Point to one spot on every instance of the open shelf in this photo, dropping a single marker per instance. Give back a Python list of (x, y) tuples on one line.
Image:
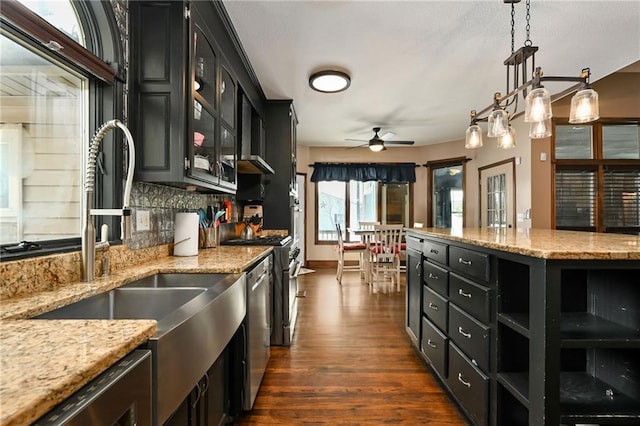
[(585, 399), (518, 322), (517, 384), (582, 329)]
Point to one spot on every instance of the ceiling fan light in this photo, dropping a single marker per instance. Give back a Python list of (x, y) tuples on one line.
[(376, 146), (584, 107), (538, 105), (473, 137), (540, 129), (508, 140), (329, 81), (498, 122)]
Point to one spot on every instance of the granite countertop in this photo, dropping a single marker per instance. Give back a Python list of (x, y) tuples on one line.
[(545, 243), (223, 259), (43, 362)]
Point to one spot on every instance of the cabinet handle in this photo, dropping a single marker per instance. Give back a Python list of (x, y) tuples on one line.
[(464, 262), (462, 293), (194, 403), (467, 384), (433, 277), (430, 343), (464, 333), (432, 306), (434, 251)]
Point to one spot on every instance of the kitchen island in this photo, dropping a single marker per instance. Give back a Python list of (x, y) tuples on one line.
[(43, 362), (529, 327)]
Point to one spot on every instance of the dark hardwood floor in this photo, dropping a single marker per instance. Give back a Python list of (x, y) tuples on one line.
[(351, 362)]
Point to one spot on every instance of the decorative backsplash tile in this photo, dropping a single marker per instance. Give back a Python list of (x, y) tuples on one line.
[(163, 202)]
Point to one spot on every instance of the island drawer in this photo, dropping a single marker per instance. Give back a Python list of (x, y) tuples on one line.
[(435, 307), (470, 335), (435, 346), (470, 263), (473, 298), (435, 277), (414, 243), (435, 251), (469, 385)]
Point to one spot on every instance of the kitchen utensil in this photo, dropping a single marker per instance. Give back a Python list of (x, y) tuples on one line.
[(210, 215), (202, 218)]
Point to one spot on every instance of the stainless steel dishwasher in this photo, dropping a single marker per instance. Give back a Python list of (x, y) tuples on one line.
[(258, 328)]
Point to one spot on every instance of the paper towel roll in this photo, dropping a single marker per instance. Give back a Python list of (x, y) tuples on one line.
[(185, 239)]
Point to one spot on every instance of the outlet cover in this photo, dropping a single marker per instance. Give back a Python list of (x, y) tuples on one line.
[(143, 221)]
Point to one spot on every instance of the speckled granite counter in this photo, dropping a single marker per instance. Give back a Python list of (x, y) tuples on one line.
[(544, 243), (45, 361)]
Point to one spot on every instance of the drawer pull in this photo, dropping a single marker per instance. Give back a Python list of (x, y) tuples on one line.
[(464, 262), (433, 277), (462, 293), (434, 251), (432, 306), (430, 343), (467, 384), (464, 333)]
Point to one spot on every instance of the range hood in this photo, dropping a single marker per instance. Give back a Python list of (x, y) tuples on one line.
[(254, 165), (252, 142)]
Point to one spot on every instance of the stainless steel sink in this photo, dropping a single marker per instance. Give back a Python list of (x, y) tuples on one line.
[(178, 280), (139, 303), (197, 316)]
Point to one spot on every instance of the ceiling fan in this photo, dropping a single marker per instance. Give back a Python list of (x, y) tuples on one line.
[(376, 143)]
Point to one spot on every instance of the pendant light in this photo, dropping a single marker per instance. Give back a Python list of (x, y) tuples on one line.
[(584, 106), (537, 111), (473, 137), (508, 140), (538, 105), (540, 129), (498, 123)]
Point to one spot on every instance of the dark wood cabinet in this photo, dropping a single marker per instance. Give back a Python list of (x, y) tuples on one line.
[(281, 139), (414, 283), (532, 340), (183, 98)]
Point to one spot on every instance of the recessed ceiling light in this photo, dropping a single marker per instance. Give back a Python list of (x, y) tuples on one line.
[(329, 81)]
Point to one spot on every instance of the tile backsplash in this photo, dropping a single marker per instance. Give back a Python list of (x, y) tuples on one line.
[(163, 202)]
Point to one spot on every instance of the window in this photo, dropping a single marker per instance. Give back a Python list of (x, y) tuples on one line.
[(52, 97), (597, 177), (345, 204)]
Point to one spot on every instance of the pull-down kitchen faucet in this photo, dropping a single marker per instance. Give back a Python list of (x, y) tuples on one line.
[(88, 229)]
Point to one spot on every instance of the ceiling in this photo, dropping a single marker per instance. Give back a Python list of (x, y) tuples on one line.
[(419, 67)]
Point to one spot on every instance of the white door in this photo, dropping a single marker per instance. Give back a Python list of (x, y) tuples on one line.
[(299, 216), (497, 195)]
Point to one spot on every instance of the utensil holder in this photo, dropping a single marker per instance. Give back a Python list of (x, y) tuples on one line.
[(209, 237)]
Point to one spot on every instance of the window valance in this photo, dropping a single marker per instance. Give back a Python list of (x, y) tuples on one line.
[(364, 172)]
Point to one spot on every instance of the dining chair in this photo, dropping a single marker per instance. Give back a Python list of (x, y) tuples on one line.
[(365, 231), (343, 248), (384, 257)]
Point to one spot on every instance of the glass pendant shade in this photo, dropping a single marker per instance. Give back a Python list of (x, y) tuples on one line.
[(498, 122), (537, 106), (473, 137), (540, 129), (508, 140), (584, 107)]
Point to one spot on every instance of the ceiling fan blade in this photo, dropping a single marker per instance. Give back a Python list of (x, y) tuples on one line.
[(357, 146), (387, 136), (399, 142), (357, 140)]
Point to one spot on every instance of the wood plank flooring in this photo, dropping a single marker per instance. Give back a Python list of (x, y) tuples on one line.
[(351, 362)]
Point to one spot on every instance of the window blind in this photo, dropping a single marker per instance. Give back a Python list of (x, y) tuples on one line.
[(575, 198), (622, 198)]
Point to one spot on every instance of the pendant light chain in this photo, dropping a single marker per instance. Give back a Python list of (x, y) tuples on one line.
[(528, 27), (513, 23)]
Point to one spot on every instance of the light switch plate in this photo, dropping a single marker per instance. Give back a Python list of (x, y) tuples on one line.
[(143, 221)]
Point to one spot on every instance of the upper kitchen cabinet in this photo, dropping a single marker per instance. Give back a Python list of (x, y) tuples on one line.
[(281, 140), (183, 99)]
